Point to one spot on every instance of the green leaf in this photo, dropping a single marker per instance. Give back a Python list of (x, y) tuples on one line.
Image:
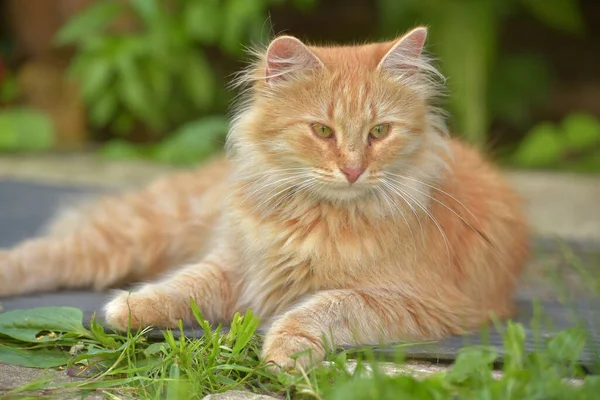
[(159, 80), (225, 380), (88, 22), (79, 64), (587, 163), (591, 387), (25, 325), (239, 16), (467, 46), (25, 129), (204, 324), (38, 358), (233, 367), (514, 345), (9, 139), (95, 352), (541, 147), (202, 20), (100, 334), (243, 329), (103, 108), (580, 131), (123, 123), (520, 83), (567, 345), (120, 150), (153, 349), (9, 88), (177, 388), (148, 10), (473, 363), (198, 81), (564, 15), (193, 142), (95, 78), (135, 94)]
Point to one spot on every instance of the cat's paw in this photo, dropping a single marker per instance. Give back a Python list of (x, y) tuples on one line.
[(140, 309), (292, 350)]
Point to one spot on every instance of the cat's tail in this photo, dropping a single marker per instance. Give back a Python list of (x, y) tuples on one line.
[(119, 239)]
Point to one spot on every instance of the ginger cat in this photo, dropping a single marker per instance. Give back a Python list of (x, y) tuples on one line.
[(343, 211)]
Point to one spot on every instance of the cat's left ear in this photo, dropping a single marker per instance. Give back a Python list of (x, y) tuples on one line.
[(287, 55), (404, 54)]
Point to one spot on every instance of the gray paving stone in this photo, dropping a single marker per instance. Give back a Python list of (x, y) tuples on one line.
[(12, 377), (25, 206)]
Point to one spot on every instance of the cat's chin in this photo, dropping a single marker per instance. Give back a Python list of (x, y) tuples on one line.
[(344, 193)]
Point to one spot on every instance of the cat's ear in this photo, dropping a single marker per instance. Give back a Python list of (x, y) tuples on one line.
[(287, 55), (405, 53)]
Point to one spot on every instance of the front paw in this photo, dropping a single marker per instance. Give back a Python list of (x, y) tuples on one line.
[(140, 309), (287, 350)]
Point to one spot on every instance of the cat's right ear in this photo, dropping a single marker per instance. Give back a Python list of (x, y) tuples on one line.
[(287, 55)]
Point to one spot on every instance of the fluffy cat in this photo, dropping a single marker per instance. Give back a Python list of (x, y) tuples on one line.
[(343, 211)]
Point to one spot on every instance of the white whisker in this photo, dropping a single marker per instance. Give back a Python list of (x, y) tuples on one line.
[(481, 235), (286, 188), (395, 206), (410, 205), (439, 190), (276, 185), (262, 176), (399, 191), (400, 211)]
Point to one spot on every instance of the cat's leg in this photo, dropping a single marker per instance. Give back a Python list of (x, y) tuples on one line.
[(212, 284), (121, 238), (359, 317)]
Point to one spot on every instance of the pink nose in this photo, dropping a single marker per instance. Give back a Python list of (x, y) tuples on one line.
[(352, 173)]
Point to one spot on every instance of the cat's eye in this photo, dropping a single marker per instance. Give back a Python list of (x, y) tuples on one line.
[(322, 131), (379, 131)]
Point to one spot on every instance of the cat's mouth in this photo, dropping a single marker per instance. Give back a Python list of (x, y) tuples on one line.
[(343, 190)]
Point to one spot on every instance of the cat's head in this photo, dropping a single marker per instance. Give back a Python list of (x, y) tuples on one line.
[(338, 122)]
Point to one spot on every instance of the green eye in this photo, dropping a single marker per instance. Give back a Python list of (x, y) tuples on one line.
[(322, 131), (379, 131)]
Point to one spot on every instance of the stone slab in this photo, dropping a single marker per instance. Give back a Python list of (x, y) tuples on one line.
[(12, 377), (560, 204), (25, 206)]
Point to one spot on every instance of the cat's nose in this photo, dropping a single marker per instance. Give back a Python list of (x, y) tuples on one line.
[(352, 173)]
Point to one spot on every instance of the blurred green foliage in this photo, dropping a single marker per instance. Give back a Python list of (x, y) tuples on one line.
[(9, 88), (21, 128), (574, 145), (484, 84), (25, 129), (161, 77), (191, 142)]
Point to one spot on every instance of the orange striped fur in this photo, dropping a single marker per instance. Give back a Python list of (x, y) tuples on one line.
[(426, 243)]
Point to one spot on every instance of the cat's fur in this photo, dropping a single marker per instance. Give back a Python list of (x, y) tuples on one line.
[(427, 243)]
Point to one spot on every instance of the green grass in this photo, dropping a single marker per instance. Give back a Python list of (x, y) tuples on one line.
[(131, 365)]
